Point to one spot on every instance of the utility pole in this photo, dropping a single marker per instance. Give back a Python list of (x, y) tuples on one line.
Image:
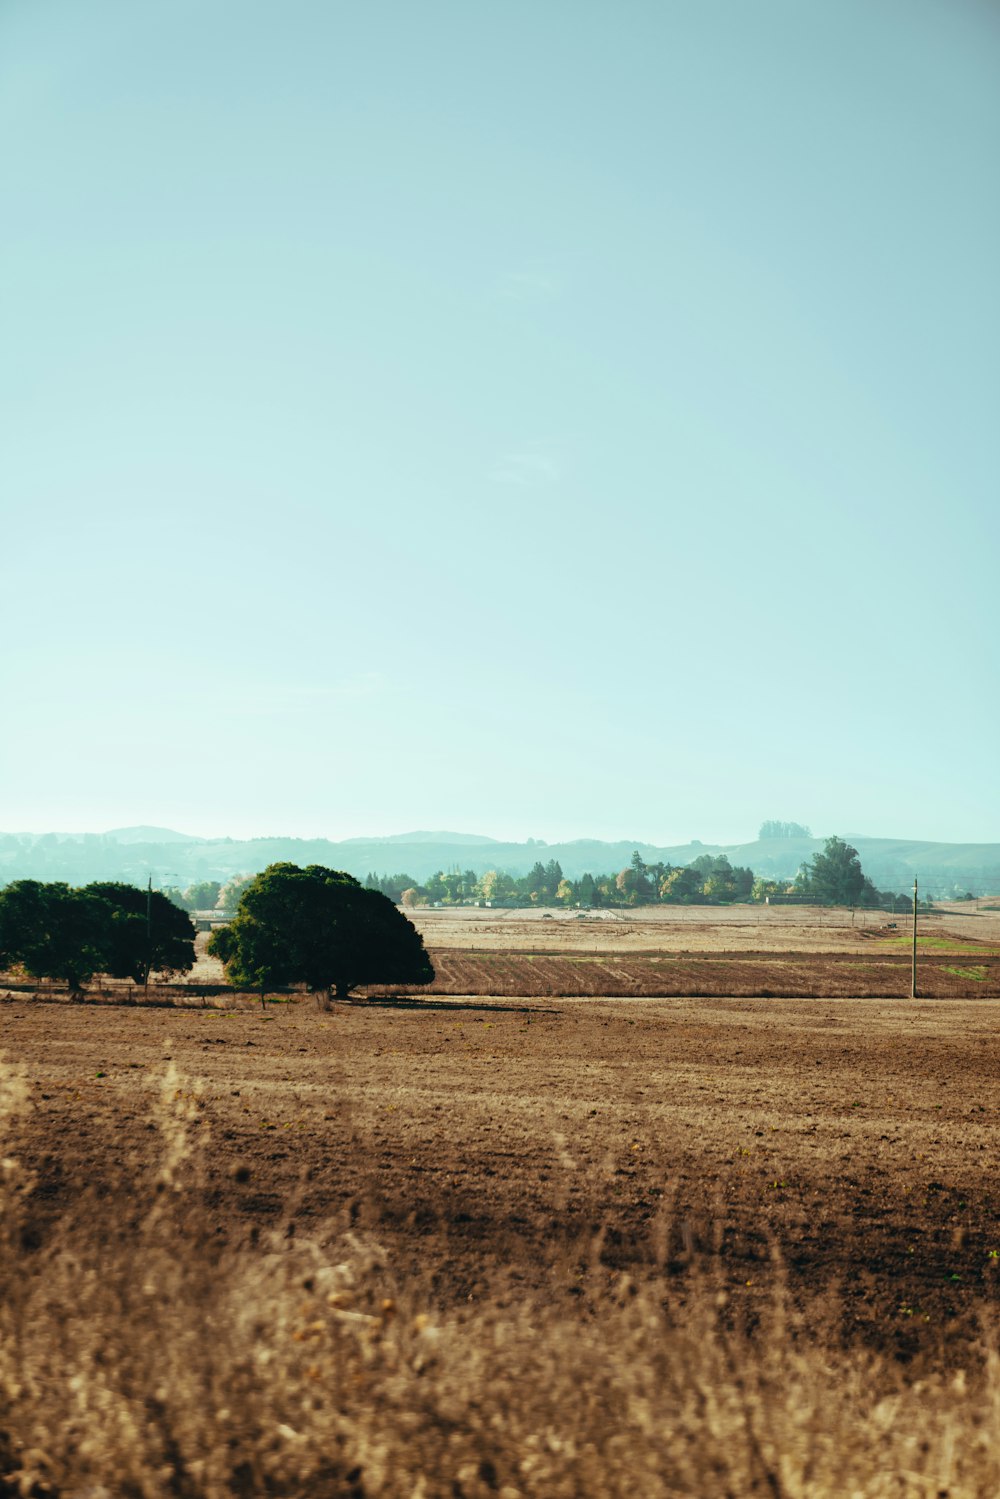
[(913, 966), (149, 935)]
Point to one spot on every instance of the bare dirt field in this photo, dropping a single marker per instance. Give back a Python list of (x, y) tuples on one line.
[(857, 1138), (523, 1245), (699, 928), (957, 972), (683, 951), (779, 951)]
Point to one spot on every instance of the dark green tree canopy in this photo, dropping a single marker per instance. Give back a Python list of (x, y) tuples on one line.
[(54, 932), (136, 946), (836, 876), (319, 927)]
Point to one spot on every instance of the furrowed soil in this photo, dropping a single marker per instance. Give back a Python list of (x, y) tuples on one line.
[(765, 974), (538, 1144), (538, 1242)]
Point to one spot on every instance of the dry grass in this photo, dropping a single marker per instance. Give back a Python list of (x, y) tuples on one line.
[(164, 1331), (138, 1360), (708, 929)]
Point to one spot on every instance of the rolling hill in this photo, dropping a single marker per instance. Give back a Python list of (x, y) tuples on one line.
[(171, 858)]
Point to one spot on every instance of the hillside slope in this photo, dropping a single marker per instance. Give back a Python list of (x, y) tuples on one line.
[(891, 863)]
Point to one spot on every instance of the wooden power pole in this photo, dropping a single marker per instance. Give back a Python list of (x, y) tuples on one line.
[(149, 935), (913, 965)]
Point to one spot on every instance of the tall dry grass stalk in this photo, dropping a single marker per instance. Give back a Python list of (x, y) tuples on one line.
[(137, 1359)]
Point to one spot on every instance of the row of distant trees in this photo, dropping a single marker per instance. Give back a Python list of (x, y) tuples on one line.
[(832, 877), (323, 928), (772, 828), (207, 895), (543, 884)]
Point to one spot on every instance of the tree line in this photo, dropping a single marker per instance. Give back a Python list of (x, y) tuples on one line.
[(51, 930), (313, 926), (323, 928), (832, 877)]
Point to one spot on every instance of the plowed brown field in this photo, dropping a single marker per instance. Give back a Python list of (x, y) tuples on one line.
[(492, 1139), (767, 974)]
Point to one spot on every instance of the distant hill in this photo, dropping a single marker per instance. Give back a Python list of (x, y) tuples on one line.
[(461, 840), (150, 835), (171, 858)]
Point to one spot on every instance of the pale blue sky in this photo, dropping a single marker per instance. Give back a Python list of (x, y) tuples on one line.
[(541, 419)]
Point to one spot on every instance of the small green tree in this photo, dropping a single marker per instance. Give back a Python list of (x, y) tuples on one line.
[(319, 927), (633, 886), (635, 883), (203, 896), (229, 896), (682, 885), (719, 887), (495, 886)]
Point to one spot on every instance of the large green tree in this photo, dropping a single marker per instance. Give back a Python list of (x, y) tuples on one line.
[(321, 928), (54, 932), (147, 933), (835, 876)]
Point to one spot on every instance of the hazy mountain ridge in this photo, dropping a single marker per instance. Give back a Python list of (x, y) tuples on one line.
[(176, 860), (151, 835), (462, 839)]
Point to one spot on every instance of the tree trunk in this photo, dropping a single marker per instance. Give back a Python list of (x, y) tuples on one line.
[(323, 1001), (343, 989)]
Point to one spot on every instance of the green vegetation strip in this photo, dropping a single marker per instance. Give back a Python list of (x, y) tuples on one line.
[(944, 944)]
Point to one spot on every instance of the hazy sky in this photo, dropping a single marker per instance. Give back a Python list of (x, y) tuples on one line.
[(539, 418)]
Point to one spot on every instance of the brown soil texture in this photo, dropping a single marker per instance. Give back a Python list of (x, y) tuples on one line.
[(854, 1139), (668, 928), (765, 974)]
